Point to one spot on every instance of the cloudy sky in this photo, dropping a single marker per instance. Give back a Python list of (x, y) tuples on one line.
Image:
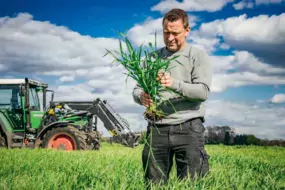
[(62, 43)]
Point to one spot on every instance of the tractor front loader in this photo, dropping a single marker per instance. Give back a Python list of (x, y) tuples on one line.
[(25, 122), (117, 126)]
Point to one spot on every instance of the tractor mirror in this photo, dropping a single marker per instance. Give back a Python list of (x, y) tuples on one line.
[(22, 90)]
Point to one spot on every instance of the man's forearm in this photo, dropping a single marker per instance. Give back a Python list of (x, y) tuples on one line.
[(201, 78), (195, 92)]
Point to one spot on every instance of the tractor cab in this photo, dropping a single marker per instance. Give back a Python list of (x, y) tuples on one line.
[(22, 102)]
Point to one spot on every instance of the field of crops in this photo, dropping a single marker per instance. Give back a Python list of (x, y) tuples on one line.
[(117, 167)]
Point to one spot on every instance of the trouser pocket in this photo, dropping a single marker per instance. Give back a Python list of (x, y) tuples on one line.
[(204, 162), (197, 130), (197, 126)]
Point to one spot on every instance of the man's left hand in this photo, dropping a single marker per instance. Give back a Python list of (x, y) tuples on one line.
[(165, 79)]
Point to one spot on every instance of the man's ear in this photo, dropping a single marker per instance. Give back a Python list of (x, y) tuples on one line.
[(188, 28), (187, 31)]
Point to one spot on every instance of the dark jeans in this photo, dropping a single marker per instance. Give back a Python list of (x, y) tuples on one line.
[(184, 141)]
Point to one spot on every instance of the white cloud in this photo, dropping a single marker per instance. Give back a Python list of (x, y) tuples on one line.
[(263, 35), (81, 92), (208, 44), (259, 2), (30, 46), (136, 124), (245, 69), (145, 33), (191, 5), (270, 29), (112, 89), (245, 61), (262, 121), (250, 4), (224, 46), (278, 98), (222, 64), (223, 81), (66, 79), (243, 4)]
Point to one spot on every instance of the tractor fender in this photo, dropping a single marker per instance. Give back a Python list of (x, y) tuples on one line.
[(51, 125)]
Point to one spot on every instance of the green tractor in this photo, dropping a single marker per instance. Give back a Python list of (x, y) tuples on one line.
[(27, 119)]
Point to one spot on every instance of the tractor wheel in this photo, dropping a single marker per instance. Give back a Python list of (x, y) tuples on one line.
[(2, 141), (65, 138)]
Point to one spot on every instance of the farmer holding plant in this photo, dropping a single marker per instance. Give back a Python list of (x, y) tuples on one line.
[(179, 131)]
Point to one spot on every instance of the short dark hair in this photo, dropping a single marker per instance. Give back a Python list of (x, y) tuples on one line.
[(176, 14)]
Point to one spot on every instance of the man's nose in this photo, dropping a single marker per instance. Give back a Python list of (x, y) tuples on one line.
[(170, 37)]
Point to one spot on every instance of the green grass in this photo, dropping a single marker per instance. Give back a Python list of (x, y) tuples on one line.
[(118, 167)]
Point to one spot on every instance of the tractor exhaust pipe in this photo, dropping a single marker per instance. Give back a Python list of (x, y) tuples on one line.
[(44, 98)]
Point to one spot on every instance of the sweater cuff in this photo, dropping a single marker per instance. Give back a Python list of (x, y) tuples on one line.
[(175, 85), (136, 96)]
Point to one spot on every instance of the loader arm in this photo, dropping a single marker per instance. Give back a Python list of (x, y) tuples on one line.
[(117, 126)]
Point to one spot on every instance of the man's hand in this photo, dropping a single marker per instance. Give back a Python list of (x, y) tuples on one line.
[(165, 79), (145, 99)]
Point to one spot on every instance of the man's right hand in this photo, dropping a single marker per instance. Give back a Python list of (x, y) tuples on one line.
[(145, 99)]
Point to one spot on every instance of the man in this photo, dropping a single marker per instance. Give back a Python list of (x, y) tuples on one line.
[(180, 132)]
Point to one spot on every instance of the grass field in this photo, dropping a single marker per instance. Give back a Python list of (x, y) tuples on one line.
[(117, 167)]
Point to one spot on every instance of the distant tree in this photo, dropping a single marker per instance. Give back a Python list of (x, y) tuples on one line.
[(227, 138), (221, 131), (219, 135), (227, 135), (276, 143), (252, 140), (265, 142), (210, 135), (283, 143), (244, 141), (240, 140), (237, 140), (232, 136)]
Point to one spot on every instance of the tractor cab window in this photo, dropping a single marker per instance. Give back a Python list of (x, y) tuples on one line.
[(34, 100), (9, 97)]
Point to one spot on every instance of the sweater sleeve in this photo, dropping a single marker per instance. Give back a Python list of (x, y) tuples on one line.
[(136, 94), (201, 77)]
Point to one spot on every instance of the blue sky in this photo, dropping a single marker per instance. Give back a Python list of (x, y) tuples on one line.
[(62, 43)]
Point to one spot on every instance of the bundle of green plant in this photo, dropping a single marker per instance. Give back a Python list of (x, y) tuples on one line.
[(145, 70)]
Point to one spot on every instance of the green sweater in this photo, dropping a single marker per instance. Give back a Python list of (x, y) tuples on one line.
[(192, 79)]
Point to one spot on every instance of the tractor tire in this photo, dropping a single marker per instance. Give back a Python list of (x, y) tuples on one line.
[(65, 138), (2, 141)]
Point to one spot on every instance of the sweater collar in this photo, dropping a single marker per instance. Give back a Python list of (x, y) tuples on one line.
[(184, 51)]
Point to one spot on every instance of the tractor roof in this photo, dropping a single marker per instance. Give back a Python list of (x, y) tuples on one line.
[(22, 81)]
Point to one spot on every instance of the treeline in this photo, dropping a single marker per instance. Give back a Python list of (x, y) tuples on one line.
[(227, 136)]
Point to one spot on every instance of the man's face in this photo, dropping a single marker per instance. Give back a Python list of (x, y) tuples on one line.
[(175, 34)]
